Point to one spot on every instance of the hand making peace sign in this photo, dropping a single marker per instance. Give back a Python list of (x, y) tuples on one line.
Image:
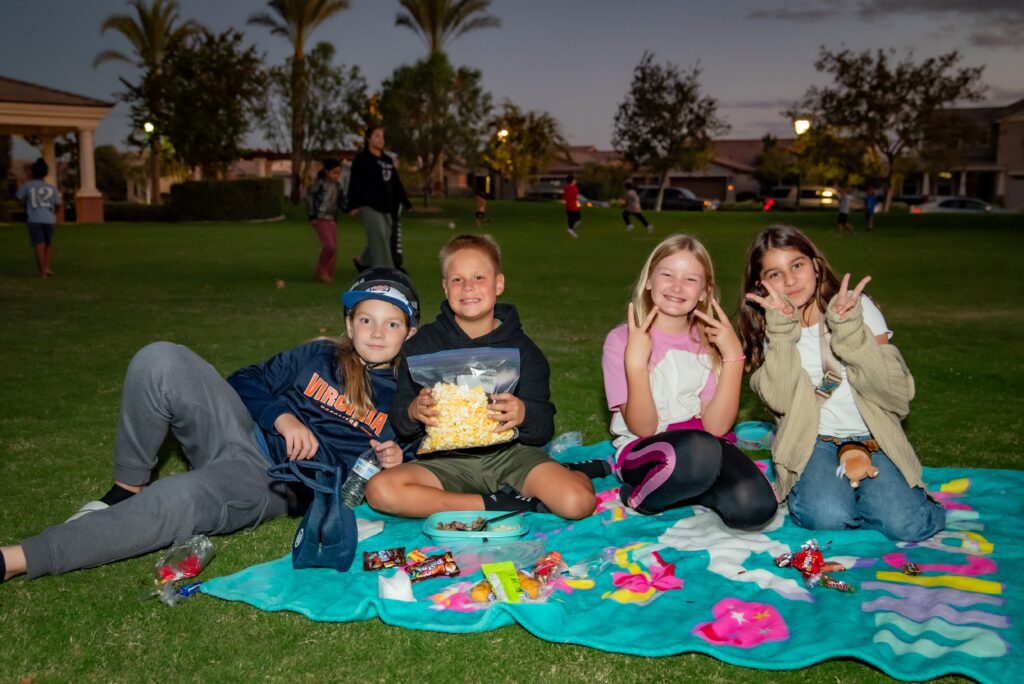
[(773, 300), (720, 331), (846, 300), (638, 342)]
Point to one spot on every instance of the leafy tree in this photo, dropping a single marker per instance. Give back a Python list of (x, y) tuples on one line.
[(111, 174), (665, 123), (887, 105), (214, 85), (431, 112), (603, 181), (773, 164), (296, 20), (335, 111), (152, 33), (530, 140), (438, 22)]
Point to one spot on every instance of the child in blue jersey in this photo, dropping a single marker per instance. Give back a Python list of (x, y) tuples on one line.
[(327, 400), (41, 200)]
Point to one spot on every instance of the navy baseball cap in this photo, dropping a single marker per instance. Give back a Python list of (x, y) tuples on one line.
[(388, 285)]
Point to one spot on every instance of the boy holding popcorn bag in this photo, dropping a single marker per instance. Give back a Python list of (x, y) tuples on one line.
[(511, 471)]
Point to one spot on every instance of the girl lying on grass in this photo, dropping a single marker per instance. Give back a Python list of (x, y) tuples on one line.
[(326, 399)]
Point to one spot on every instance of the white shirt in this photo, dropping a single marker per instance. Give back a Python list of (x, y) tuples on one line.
[(839, 414)]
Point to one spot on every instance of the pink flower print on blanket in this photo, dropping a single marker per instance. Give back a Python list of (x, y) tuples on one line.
[(742, 624), (639, 586), (609, 500)]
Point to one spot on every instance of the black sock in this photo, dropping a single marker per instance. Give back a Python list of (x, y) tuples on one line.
[(594, 469), (116, 495), (508, 499)]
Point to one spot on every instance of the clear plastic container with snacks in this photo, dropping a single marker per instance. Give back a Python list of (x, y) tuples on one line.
[(461, 382)]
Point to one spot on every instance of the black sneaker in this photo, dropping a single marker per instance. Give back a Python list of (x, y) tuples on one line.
[(595, 468), (508, 499)]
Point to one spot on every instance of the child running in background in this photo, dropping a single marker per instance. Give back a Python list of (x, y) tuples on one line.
[(41, 200), (571, 198), (327, 400), (631, 208), (323, 199), (672, 376), (481, 208), (823, 363), (518, 475)]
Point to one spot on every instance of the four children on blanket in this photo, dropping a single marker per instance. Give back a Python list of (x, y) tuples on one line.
[(672, 375)]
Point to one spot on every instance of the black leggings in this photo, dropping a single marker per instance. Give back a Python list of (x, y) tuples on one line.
[(627, 214), (686, 467)]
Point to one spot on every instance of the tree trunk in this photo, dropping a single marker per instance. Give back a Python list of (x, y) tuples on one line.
[(298, 116), (661, 191), (890, 191), (154, 169)]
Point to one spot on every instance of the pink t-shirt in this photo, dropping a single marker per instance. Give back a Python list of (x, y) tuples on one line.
[(681, 379)]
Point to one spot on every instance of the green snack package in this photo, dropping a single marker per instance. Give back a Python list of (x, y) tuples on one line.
[(504, 581)]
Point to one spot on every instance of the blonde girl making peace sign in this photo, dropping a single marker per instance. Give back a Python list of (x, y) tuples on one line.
[(672, 376)]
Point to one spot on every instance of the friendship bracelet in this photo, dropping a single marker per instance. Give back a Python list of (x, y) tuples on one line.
[(741, 357)]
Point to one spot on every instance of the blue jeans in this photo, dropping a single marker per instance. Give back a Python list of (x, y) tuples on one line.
[(886, 503)]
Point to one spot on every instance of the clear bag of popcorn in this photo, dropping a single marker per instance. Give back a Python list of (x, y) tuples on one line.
[(461, 381)]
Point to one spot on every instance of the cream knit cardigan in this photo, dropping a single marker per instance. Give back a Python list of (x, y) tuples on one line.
[(881, 383)]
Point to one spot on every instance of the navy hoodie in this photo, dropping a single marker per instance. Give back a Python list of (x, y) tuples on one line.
[(534, 373), (304, 382)]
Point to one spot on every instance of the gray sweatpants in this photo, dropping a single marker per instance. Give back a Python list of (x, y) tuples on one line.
[(378, 238), (227, 488)]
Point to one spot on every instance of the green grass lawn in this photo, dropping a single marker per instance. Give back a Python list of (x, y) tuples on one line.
[(949, 287)]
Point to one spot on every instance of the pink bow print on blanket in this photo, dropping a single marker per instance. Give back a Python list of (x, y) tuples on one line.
[(662, 577)]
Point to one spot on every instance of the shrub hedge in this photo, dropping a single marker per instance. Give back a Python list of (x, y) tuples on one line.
[(136, 212), (228, 200)]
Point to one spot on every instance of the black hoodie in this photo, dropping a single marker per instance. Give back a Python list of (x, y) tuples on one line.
[(534, 372), (374, 182)]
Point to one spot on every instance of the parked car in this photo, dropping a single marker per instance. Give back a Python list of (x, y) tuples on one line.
[(955, 205), (811, 197), (674, 199)]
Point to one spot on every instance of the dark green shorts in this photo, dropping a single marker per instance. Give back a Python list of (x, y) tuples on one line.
[(482, 471)]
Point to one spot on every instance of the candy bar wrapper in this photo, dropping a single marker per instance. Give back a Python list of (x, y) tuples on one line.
[(415, 556), (442, 565), (385, 558)]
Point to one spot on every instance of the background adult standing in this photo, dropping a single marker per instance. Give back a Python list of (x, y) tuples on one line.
[(375, 192)]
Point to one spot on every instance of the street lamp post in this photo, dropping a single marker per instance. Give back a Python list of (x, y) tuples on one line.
[(800, 126)]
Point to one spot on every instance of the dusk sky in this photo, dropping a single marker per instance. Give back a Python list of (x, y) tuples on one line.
[(573, 59)]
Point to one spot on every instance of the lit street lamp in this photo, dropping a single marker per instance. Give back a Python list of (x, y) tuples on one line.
[(503, 134), (800, 126), (148, 127)]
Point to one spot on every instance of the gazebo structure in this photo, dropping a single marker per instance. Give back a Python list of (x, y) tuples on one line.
[(32, 111)]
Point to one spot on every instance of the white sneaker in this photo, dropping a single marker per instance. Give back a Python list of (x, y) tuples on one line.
[(650, 229), (629, 227), (90, 507), (572, 232)]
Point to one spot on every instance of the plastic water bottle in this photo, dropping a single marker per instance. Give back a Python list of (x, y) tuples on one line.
[(366, 466)]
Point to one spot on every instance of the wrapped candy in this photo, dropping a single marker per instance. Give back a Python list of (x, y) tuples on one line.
[(811, 564)]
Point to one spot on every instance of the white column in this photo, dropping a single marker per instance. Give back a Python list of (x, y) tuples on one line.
[(1000, 184), (926, 185), (49, 151), (963, 184), (86, 165)]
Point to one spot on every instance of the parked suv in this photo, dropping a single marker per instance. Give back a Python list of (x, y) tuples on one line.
[(674, 199), (811, 197)]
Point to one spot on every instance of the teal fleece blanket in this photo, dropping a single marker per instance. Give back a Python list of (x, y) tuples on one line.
[(682, 582)]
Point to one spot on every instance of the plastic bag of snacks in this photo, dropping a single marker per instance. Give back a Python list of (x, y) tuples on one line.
[(461, 381), (506, 584), (181, 561)]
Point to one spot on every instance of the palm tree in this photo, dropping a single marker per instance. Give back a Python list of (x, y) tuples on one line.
[(437, 22), (296, 20), (152, 32)]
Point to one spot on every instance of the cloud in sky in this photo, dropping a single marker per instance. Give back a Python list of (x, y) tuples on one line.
[(989, 24)]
